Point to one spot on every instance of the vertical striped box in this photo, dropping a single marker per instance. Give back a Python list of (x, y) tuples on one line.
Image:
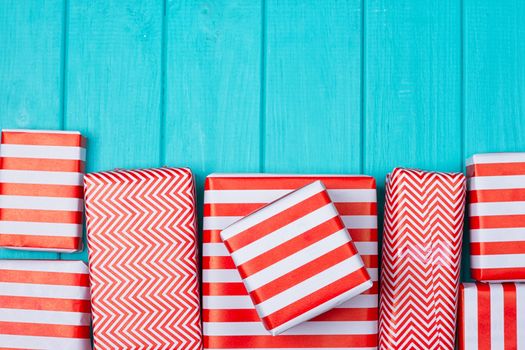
[(497, 216), (41, 190), (230, 318), (492, 316), (296, 258), (44, 305)]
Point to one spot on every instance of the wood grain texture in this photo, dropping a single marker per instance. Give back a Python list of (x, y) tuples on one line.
[(313, 79), (114, 82), (31, 47)]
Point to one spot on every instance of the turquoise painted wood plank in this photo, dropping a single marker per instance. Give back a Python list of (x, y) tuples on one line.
[(213, 86), (113, 86), (312, 109), (31, 35)]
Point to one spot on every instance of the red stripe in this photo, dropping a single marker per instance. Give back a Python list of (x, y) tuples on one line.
[(38, 164), (499, 195), (491, 248), (42, 138), (483, 316), (461, 317), (496, 169), (291, 341), (510, 319), (45, 330), (42, 190), (498, 274), (52, 242), (287, 182), (499, 221), (48, 304), (30, 215), (39, 277)]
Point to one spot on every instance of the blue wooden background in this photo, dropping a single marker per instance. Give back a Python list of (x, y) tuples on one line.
[(329, 86)]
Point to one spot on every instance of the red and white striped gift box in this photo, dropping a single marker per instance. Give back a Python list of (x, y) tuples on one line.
[(497, 216), (296, 258), (230, 319), (41, 190), (44, 305), (143, 259), (421, 257), (491, 316)]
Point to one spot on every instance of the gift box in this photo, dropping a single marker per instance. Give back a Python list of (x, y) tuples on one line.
[(491, 316), (41, 190), (497, 216), (296, 258), (44, 305), (421, 257), (230, 318), (143, 260)]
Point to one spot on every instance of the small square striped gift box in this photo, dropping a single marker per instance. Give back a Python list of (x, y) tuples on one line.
[(44, 305), (41, 174), (296, 258), (497, 216)]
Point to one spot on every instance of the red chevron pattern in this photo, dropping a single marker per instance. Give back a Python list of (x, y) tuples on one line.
[(142, 252), (420, 262)]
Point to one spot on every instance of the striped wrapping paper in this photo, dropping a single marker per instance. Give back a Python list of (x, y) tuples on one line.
[(230, 319), (492, 316), (44, 305), (41, 190), (497, 216), (296, 258)]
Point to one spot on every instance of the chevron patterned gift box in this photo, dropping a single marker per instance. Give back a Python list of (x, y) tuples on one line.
[(230, 318), (41, 190), (497, 216), (491, 316), (296, 258), (421, 257), (143, 259), (44, 305)]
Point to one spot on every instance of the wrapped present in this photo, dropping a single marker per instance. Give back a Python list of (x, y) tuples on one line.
[(230, 318), (44, 305), (41, 190), (491, 316), (421, 257), (497, 216), (296, 258), (143, 259)]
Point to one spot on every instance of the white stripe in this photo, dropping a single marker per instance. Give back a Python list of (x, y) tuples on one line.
[(497, 334), (520, 315), (496, 208), (263, 175), (69, 266), (40, 131), (41, 203), (491, 158), (41, 177), (272, 210), (45, 317), (470, 310), (306, 328), (44, 291), (366, 248), (283, 234), (43, 152), (496, 182), (498, 234), (44, 343), (308, 286), (268, 196), (497, 261), (296, 260), (40, 229)]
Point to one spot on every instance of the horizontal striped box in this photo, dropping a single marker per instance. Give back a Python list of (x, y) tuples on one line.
[(492, 316), (497, 216), (41, 193), (296, 258), (230, 318), (44, 305)]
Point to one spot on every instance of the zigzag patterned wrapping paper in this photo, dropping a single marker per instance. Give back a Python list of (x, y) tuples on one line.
[(421, 257), (44, 305), (41, 190), (143, 259), (296, 258), (497, 216), (492, 316), (230, 319)]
